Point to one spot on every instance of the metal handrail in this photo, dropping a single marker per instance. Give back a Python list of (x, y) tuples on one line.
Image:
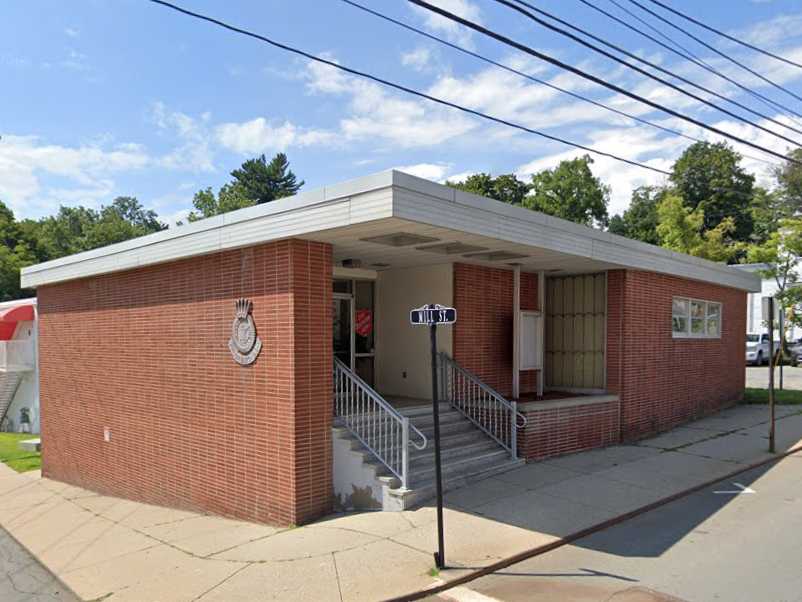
[(480, 403), (382, 429)]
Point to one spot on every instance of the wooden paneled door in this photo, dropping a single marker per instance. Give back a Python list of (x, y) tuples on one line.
[(576, 318)]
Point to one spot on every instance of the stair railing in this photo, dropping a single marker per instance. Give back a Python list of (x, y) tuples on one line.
[(480, 403), (379, 426)]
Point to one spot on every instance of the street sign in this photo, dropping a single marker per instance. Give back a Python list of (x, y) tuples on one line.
[(433, 314)]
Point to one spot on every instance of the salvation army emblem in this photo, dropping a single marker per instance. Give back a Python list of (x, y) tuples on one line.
[(244, 344)]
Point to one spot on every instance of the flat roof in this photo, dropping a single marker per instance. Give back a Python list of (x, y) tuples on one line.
[(391, 203)]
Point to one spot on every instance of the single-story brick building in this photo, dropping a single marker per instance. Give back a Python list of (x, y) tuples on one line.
[(260, 364)]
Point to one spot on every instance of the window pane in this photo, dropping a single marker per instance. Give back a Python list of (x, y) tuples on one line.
[(680, 325), (697, 309), (697, 325), (679, 307), (713, 310), (712, 327)]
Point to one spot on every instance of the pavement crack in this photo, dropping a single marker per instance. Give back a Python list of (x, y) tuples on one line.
[(337, 576), (216, 585)]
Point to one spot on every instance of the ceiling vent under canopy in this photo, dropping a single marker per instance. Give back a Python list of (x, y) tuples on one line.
[(400, 239)]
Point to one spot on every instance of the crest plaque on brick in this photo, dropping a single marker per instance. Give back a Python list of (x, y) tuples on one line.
[(244, 344)]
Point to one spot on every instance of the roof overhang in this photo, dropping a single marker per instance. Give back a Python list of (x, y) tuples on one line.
[(466, 228)]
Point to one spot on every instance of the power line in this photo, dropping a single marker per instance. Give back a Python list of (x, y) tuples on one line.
[(729, 37), (717, 51), (694, 58), (590, 77), (665, 82), (701, 64), (403, 88), (531, 77)]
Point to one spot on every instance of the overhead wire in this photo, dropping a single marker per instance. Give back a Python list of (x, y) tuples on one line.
[(514, 5), (558, 63), (403, 88), (532, 78)]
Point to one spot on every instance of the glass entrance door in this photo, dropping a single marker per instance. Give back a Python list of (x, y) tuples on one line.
[(343, 329), (354, 336)]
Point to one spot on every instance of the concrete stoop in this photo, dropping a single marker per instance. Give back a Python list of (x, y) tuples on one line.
[(467, 454)]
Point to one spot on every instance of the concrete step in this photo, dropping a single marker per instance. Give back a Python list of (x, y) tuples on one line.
[(453, 467), (427, 420), (424, 409), (402, 499), (450, 428), (425, 459)]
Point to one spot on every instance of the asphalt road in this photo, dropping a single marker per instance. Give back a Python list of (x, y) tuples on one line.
[(758, 377), (23, 579), (707, 546)]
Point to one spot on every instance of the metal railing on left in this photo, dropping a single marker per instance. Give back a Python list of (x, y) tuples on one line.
[(385, 432)]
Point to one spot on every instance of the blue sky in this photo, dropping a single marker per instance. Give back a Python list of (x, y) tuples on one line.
[(108, 98)]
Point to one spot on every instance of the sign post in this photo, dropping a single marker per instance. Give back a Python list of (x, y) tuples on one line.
[(431, 315), (768, 315)]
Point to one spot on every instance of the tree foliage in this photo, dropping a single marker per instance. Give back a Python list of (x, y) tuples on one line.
[(569, 191), (506, 188), (709, 177), (71, 230), (262, 182), (639, 221), (682, 229)]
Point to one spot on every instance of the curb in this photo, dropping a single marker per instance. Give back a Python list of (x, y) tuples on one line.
[(610, 522)]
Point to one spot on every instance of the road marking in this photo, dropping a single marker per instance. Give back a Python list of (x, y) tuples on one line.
[(741, 489)]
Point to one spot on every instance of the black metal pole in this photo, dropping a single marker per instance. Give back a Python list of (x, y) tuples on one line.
[(440, 555), (771, 375)]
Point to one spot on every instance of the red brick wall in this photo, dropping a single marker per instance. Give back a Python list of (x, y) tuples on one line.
[(482, 335), (552, 430), (145, 353), (665, 381)]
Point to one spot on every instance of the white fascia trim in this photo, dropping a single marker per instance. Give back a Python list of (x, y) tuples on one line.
[(299, 215), (434, 204), (382, 195)]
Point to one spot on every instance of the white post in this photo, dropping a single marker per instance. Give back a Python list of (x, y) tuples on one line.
[(404, 452), (541, 302), (516, 332)]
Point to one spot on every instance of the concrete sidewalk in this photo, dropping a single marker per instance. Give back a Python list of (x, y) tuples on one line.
[(121, 550)]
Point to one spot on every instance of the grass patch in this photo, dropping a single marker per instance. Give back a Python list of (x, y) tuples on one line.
[(761, 396), (16, 458), (434, 572)]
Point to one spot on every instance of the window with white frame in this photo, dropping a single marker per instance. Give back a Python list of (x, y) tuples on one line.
[(695, 318)]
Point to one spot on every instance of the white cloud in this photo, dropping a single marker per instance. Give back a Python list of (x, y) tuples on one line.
[(430, 171), (194, 151), (71, 32), (418, 59), (377, 115), (260, 136), (24, 160), (451, 29)]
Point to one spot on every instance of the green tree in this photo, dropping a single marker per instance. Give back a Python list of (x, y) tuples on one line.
[(570, 191), (781, 254), (229, 198), (124, 219), (709, 177), (789, 183), (15, 253), (639, 221), (506, 188), (681, 229), (263, 182)]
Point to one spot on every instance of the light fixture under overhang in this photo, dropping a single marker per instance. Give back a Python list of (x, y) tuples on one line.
[(400, 239), (495, 256), (451, 248)]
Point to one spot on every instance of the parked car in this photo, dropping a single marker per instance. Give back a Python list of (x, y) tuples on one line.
[(795, 352), (757, 348)]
